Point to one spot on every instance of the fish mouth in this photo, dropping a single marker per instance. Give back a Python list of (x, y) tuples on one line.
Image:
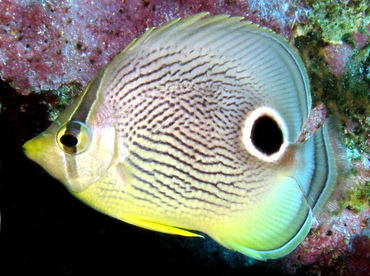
[(39, 149), (35, 148), (32, 149)]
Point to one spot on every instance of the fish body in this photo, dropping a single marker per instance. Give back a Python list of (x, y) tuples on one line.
[(191, 129)]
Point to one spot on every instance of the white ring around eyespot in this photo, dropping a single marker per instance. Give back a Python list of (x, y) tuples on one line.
[(246, 132)]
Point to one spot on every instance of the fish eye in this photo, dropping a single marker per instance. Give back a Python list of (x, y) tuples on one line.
[(74, 137), (265, 134), (69, 140)]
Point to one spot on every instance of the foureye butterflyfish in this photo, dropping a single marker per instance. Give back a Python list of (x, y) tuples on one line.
[(191, 129)]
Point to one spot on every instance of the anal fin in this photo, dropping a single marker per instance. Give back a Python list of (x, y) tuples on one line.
[(158, 227)]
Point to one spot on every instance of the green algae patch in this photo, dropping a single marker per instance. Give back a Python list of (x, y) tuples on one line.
[(348, 95), (359, 198), (335, 19), (58, 100)]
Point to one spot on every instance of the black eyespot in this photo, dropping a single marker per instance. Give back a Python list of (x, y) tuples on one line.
[(69, 140), (266, 135)]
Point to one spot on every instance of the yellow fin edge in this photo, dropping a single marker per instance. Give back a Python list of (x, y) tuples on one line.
[(158, 227)]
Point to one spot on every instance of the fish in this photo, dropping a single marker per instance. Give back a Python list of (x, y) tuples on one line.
[(192, 130)]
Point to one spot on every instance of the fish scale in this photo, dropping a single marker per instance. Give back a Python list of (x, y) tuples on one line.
[(192, 129)]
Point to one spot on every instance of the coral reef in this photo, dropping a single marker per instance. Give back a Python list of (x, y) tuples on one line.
[(50, 50), (60, 42)]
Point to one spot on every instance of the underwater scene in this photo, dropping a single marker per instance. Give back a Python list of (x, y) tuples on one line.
[(225, 137)]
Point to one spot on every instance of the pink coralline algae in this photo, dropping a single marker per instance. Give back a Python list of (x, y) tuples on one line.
[(58, 42), (45, 44), (336, 247), (361, 39), (337, 57)]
